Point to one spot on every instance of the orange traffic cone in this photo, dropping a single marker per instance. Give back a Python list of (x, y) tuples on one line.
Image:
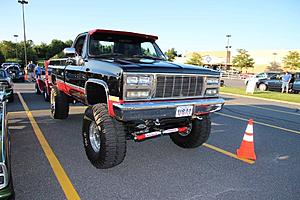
[(25, 76), (246, 149)]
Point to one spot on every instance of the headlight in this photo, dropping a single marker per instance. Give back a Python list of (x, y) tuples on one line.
[(138, 86), (138, 80), (212, 81), (137, 94), (132, 80), (144, 80), (211, 92)]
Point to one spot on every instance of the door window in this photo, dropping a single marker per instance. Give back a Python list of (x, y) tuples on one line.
[(79, 45)]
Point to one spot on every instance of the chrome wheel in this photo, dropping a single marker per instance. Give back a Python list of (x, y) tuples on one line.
[(52, 102), (94, 137), (262, 87)]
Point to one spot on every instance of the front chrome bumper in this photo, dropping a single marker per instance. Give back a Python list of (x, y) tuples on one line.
[(164, 109)]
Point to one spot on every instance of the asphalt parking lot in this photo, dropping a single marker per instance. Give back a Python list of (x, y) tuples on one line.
[(157, 169)]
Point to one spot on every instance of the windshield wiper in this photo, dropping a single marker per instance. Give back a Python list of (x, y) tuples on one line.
[(147, 57)]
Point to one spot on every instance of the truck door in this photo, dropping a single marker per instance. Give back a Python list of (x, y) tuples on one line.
[(73, 79)]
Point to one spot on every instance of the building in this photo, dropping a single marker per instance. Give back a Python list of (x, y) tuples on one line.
[(265, 60)]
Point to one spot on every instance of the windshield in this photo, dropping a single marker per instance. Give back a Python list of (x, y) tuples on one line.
[(123, 47)]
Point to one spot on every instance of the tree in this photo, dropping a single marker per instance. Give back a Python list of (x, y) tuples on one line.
[(243, 60), (2, 58), (8, 49), (55, 47), (292, 61), (171, 53), (68, 43), (196, 59), (41, 50)]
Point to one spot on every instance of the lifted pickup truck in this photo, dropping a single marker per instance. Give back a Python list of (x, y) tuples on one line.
[(132, 92)]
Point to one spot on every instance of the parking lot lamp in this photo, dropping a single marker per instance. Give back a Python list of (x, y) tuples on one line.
[(227, 60), (16, 36), (25, 52), (274, 58)]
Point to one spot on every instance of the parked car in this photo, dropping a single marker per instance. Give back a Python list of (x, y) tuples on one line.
[(132, 92), (4, 65), (7, 84), (296, 83), (42, 85), (263, 75), (274, 83), (6, 184), (15, 72)]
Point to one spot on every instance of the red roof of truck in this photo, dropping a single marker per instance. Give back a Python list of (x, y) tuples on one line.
[(150, 37)]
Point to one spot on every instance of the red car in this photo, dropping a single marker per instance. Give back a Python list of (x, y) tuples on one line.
[(42, 84)]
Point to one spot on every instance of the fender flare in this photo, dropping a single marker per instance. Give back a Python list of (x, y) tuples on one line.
[(109, 99)]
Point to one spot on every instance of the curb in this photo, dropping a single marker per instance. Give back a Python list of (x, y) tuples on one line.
[(260, 98)]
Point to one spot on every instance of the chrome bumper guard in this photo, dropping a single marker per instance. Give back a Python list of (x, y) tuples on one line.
[(160, 110)]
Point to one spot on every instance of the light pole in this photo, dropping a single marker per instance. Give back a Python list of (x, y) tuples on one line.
[(25, 52), (274, 58), (16, 36), (227, 60)]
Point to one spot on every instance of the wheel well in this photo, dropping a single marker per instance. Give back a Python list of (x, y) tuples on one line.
[(95, 93)]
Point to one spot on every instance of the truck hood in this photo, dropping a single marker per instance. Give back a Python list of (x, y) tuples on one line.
[(160, 66)]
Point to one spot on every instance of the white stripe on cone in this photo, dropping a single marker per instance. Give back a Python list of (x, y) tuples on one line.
[(248, 138)]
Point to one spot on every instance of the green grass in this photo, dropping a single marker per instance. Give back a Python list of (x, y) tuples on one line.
[(295, 98)]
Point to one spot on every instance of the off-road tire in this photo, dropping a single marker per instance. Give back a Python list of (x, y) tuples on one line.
[(112, 138), (59, 104), (198, 135), (37, 89)]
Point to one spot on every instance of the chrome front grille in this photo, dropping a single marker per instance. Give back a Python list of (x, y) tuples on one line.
[(180, 86)]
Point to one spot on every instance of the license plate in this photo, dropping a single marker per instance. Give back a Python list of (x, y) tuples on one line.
[(184, 111)]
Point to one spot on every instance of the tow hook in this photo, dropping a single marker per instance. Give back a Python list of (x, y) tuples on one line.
[(144, 136)]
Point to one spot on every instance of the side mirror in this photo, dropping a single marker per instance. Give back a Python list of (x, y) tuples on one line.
[(70, 52)]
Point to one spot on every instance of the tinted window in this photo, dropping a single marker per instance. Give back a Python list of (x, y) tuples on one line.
[(122, 45), (2, 74)]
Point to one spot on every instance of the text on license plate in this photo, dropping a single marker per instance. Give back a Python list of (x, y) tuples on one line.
[(183, 111)]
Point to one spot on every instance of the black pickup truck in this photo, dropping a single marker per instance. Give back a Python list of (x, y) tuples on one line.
[(132, 92)]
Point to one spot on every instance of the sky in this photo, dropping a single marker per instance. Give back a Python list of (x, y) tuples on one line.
[(186, 25)]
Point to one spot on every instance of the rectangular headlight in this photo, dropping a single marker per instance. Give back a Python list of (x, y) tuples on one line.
[(138, 80), (144, 80), (212, 81), (132, 80), (136, 94), (211, 92), (138, 86)]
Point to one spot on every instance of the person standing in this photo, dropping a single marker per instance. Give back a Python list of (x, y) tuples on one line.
[(286, 78), (38, 71), (31, 67)]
